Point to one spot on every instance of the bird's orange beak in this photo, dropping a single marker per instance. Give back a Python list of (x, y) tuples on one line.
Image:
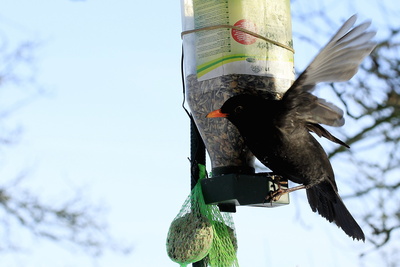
[(216, 114)]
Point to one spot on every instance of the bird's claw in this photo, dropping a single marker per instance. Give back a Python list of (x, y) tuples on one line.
[(275, 195)]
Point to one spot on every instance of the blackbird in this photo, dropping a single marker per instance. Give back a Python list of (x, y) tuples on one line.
[(277, 132)]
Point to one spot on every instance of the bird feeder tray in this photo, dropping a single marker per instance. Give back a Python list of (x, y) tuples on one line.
[(231, 190)]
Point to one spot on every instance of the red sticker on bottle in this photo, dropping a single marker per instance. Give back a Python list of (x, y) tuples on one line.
[(242, 37)]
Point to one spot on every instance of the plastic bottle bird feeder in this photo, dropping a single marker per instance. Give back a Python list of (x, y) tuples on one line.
[(234, 47)]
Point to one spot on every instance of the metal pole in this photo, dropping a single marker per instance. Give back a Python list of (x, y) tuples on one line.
[(197, 156), (197, 152)]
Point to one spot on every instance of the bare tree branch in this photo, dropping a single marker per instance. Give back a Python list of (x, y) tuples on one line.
[(69, 220)]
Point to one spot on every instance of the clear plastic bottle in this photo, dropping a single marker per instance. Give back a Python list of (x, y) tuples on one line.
[(223, 62)]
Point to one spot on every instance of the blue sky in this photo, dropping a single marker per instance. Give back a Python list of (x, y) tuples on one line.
[(112, 123)]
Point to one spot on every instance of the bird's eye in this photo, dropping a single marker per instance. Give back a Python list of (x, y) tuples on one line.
[(238, 109)]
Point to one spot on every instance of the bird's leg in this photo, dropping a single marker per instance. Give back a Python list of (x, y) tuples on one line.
[(277, 181), (276, 194)]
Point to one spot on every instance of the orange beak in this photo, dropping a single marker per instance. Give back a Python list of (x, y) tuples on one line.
[(216, 114)]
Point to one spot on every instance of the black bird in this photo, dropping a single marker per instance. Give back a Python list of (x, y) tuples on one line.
[(278, 131)]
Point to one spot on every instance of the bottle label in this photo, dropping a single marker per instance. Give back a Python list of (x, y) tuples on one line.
[(225, 51)]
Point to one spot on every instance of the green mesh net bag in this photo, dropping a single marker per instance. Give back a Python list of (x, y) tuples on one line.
[(202, 232)]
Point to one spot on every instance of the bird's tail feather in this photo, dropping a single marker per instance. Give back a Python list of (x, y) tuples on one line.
[(332, 208)]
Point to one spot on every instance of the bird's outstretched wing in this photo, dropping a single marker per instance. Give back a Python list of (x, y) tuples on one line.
[(337, 61)]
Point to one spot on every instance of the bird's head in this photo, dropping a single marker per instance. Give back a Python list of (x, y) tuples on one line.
[(239, 108)]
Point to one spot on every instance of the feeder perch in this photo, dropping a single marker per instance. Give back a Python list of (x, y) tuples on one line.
[(231, 190)]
